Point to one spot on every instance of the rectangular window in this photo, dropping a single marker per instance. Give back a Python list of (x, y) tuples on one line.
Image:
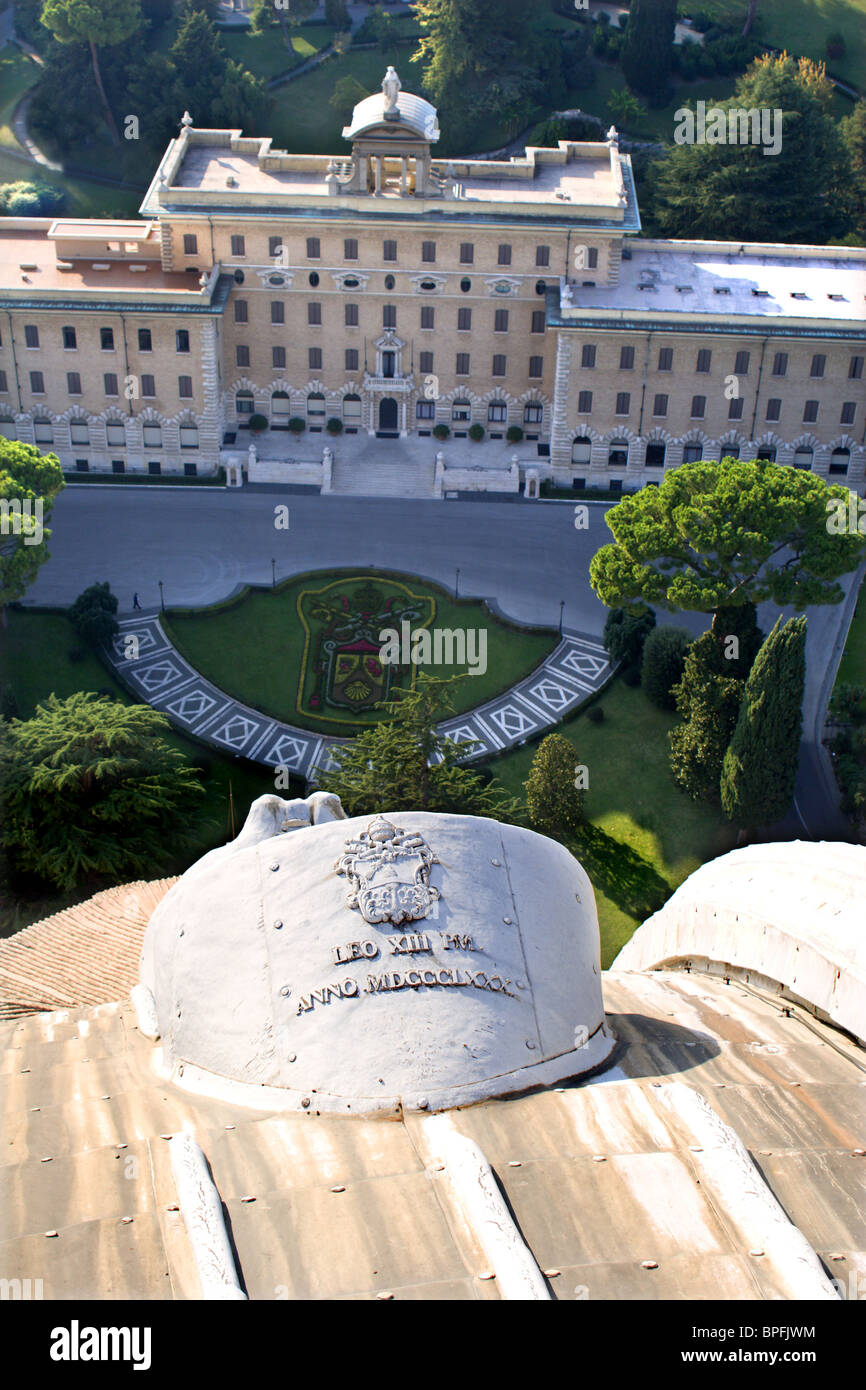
[(278, 311), (389, 251), (462, 366), (425, 410), (584, 403), (275, 247), (780, 364), (741, 363), (389, 316), (190, 470), (819, 363), (82, 465), (428, 317), (464, 320), (467, 252), (855, 369), (499, 364), (504, 257), (704, 361), (110, 380), (425, 362), (351, 359), (500, 321), (537, 321), (592, 258), (849, 410), (154, 467), (350, 249), (242, 355), (623, 402), (626, 359), (587, 356), (351, 315), (73, 383), (660, 405), (118, 466), (314, 313), (536, 368), (181, 340), (428, 251), (4, 386), (278, 357), (31, 335), (241, 312), (666, 359), (314, 359), (314, 248), (735, 408), (699, 407), (106, 339), (190, 244), (148, 385), (239, 246), (184, 387), (70, 341), (542, 255), (810, 412), (145, 342)]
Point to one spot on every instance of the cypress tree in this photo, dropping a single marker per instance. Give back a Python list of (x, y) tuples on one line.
[(554, 803), (760, 766), (708, 702), (647, 55)]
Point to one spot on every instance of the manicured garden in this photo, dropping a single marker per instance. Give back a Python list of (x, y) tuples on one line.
[(642, 836), (852, 667), (262, 648), (801, 27)]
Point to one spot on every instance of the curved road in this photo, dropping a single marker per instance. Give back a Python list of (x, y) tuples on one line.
[(525, 557)]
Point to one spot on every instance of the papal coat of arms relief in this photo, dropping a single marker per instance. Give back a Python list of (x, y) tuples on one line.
[(389, 874)]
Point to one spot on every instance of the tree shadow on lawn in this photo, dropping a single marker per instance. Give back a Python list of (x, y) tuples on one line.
[(620, 873)]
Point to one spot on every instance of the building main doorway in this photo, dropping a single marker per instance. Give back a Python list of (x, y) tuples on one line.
[(388, 428)]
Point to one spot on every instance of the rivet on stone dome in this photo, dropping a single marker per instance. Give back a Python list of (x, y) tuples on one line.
[(305, 1102), (649, 1264), (496, 863), (285, 991), (756, 1252), (507, 921), (273, 868), (530, 1044), (293, 1056), (278, 924)]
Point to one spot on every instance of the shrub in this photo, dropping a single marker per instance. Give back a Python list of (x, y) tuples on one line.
[(476, 432), (514, 434), (258, 423), (297, 425), (664, 653), (93, 615), (554, 803), (441, 431), (23, 199), (595, 714), (846, 702), (626, 631), (334, 425)]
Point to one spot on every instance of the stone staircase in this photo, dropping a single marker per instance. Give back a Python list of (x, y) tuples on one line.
[(404, 477)]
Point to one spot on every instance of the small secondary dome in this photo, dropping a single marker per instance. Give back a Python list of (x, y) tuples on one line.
[(393, 105), (412, 959)]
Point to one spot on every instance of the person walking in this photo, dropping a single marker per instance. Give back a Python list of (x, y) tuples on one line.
[(135, 602)]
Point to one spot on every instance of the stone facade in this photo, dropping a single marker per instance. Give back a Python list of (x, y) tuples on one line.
[(397, 291)]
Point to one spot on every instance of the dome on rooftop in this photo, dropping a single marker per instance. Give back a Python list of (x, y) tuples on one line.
[(409, 959), (393, 106)]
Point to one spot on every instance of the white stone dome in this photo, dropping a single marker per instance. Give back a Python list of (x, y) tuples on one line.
[(359, 965)]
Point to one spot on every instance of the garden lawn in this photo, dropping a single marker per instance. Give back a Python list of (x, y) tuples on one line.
[(643, 836), (34, 661), (253, 649), (852, 667), (802, 27), (18, 74), (303, 122), (266, 55)]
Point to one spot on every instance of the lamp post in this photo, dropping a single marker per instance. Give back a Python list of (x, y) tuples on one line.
[(161, 597), (561, 611), (457, 583), (273, 574)]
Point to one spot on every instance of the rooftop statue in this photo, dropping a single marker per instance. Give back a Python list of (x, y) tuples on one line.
[(391, 86)]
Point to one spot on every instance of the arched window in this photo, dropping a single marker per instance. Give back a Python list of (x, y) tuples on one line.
[(281, 406), (618, 455), (803, 457), (115, 433), (315, 403), (692, 453), (152, 436), (497, 412), (839, 460), (581, 449), (655, 455), (79, 432), (244, 402), (532, 413), (461, 410), (43, 432), (8, 428), (351, 407), (188, 434), (729, 450), (768, 453)]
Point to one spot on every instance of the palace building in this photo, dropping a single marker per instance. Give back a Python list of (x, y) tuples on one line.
[(395, 291)]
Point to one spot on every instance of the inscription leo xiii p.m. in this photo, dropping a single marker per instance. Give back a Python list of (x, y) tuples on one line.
[(388, 869)]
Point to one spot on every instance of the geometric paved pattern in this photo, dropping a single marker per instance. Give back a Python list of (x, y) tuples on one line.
[(148, 665)]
